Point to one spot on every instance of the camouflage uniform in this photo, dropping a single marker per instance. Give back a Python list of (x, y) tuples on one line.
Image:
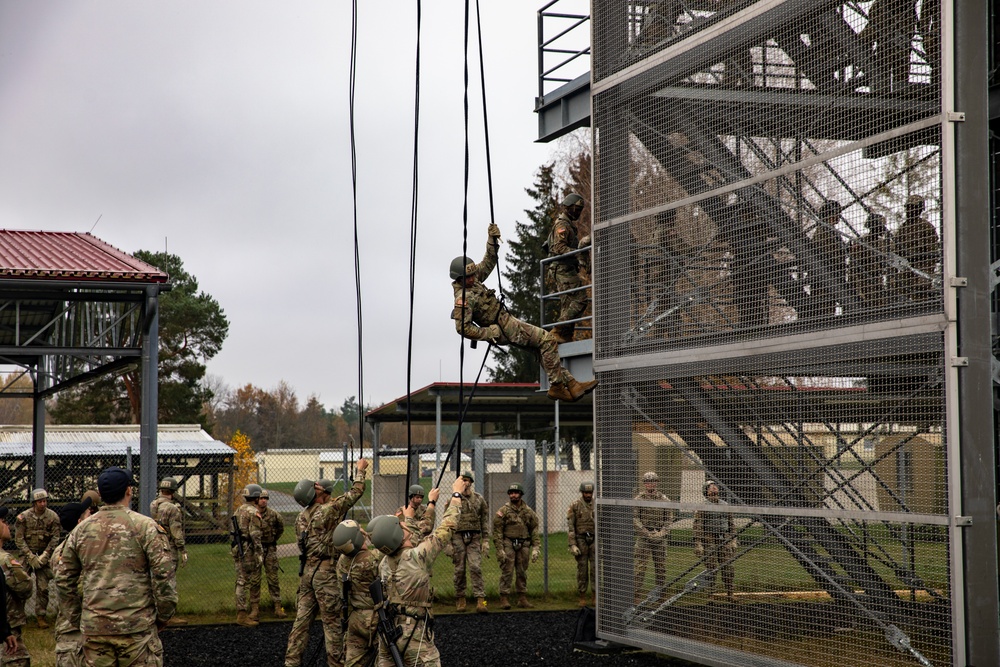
[(407, 575), (917, 242), (36, 535), (272, 527), (116, 580), (652, 528), (467, 543), (319, 590), (422, 520), (515, 530), (164, 511), (580, 534), (565, 273), (868, 265), (715, 537), (481, 309), (248, 567), (69, 639), (18, 592), (361, 570)]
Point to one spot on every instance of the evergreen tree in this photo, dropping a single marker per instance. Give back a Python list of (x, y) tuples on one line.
[(522, 281)]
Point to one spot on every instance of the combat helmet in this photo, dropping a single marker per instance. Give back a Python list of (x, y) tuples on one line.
[(305, 492), (264, 495), (515, 487), (416, 490), (708, 483), (252, 491), (572, 199), (39, 494), (651, 477), (348, 538), (467, 474), (586, 487), (386, 533), (459, 267), (327, 485), (168, 483)]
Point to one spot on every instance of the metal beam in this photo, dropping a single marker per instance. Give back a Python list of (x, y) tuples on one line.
[(149, 420)]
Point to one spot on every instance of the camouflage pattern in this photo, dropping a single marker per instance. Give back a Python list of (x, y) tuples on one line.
[(141, 649), (515, 530), (18, 592), (272, 527), (422, 520), (164, 511), (69, 639), (36, 535), (565, 273), (917, 242), (580, 534), (248, 567), (319, 591), (652, 530), (467, 543), (715, 541), (121, 562), (869, 264), (361, 569), (829, 252), (407, 574), (480, 309)]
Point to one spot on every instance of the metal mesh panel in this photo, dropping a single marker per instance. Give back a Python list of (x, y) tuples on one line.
[(830, 545)]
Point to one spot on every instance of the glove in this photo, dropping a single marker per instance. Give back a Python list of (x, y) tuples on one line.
[(184, 559), (534, 554), (501, 557), (492, 333), (486, 549), (494, 232), (733, 544), (575, 550), (584, 241), (448, 550), (34, 562), (699, 550), (43, 560)]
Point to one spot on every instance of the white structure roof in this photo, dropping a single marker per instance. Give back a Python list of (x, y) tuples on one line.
[(63, 440), (338, 456)]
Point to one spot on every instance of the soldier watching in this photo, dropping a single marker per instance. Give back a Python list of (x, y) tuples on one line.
[(423, 515), (580, 536), (36, 534), (715, 539), (479, 315), (652, 528), (406, 572), (515, 530), (917, 242), (250, 559), (272, 527), (564, 272), (69, 640), (166, 511), (118, 550), (18, 585), (470, 543), (319, 590)]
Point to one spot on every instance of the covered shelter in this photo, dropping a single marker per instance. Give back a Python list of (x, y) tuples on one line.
[(74, 308)]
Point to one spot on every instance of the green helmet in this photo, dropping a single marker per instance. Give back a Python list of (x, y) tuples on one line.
[(348, 538), (515, 487), (467, 474), (327, 485), (586, 487), (39, 494), (305, 492), (168, 483), (416, 490), (252, 491), (572, 199), (459, 267), (264, 495), (386, 533), (706, 485)]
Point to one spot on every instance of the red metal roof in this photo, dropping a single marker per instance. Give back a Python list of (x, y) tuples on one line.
[(69, 256)]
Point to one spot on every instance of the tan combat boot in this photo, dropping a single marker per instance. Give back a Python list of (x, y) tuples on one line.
[(255, 612), (279, 611), (177, 620), (560, 392), (481, 605), (580, 389), (522, 602), (42, 623), (562, 333), (243, 619), (584, 600), (460, 604), (504, 602)]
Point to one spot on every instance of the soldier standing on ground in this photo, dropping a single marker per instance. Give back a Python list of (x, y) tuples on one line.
[(319, 590), (118, 550), (515, 535), (652, 528), (165, 511), (715, 539), (272, 527), (423, 515), (36, 534), (357, 568), (406, 572), (18, 584), (580, 536), (248, 523), (470, 543), (479, 315), (69, 639), (564, 272)]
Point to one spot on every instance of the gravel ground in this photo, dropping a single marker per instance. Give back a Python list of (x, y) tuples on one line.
[(543, 638)]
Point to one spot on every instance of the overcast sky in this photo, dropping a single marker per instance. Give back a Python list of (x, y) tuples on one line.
[(219, 131)]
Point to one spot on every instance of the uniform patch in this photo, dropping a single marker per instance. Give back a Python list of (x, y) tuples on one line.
[(15, 562), (160, 528)]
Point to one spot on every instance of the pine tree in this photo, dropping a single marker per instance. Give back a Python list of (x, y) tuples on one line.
[(522, 281)]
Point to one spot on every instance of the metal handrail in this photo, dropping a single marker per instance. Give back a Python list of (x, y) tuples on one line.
[(543, 297), (545, 17)]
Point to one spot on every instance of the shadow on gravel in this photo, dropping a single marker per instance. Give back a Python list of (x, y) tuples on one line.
[(464, 640)]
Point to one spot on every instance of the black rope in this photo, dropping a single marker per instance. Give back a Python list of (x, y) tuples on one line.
[(413, 260), (465, 238), (461, 418), (357, 250), (486, 132)]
